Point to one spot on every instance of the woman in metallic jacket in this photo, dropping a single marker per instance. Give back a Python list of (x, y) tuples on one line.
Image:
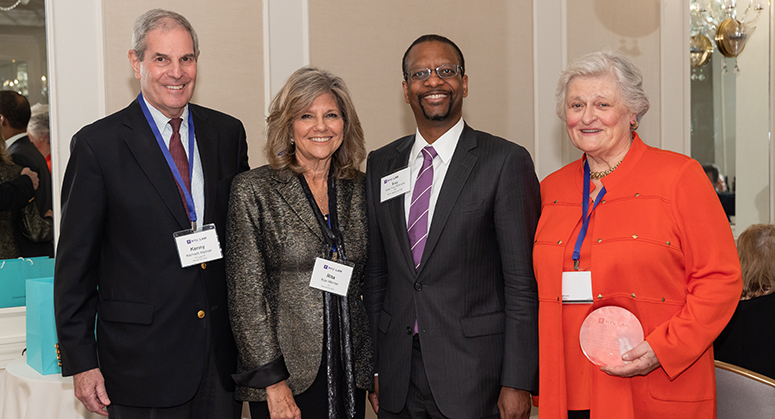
[(302, 351)]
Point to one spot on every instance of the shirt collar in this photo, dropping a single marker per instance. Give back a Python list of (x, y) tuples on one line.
[(9, 142), (162, 121), (444, 146)]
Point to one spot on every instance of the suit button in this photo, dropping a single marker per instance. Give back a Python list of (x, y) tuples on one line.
[(409, 330), (201, 314), (204, 265), (418, 286)]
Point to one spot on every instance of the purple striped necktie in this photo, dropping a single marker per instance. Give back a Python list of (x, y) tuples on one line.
[(418, 209)]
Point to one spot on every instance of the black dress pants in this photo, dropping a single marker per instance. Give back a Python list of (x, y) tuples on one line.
[(313, 402), (419, 400), (210, 401)]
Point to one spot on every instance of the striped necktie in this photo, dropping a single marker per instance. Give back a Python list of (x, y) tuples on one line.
[(418, 209)]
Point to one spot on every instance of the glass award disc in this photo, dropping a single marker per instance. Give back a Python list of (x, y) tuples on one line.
[(609, 332)]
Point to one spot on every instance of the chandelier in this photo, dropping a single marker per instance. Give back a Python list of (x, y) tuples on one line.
[(727, 23), (18, 2)]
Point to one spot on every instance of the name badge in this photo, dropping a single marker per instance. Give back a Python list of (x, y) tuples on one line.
[(577, 287), (394, 184), (331, 276), (198, 246)]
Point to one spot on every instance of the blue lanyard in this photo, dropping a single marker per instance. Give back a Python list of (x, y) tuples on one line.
[(170, 162), (333, 247), (584, 216)]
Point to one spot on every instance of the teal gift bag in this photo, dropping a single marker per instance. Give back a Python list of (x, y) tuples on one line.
[(12, 277), (39, 267), (15, 272), (42, 347)]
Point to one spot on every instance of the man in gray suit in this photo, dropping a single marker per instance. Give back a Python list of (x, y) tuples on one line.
[(449, 286)]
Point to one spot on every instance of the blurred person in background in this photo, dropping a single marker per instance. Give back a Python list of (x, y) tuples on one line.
[(749, 338), (38, 131)]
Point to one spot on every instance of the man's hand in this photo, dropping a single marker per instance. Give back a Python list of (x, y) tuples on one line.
[(280, 401), (642, 359), (90, 390), (514, 404), (33, 176), (374, 396)]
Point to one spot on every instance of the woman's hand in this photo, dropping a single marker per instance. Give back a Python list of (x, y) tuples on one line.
[(281, 404), (374, 395), (642, 360), (33, 177)]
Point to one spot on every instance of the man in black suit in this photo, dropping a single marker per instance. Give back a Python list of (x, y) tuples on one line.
[(141, 184), (453, 308), (14, 116)]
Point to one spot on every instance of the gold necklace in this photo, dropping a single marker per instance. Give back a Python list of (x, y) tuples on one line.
[(604, 173)]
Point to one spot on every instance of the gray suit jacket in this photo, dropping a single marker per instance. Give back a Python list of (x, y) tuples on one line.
[(277, 318), (474, 295)]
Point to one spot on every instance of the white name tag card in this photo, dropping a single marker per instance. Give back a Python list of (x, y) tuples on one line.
[(198, 246), (331, 276), (577, 287), (394, 184)]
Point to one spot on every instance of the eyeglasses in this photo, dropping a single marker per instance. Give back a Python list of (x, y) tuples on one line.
[(443, 71)]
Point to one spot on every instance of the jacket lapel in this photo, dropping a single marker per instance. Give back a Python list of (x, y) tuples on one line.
[(140, 140), (397, 212), (463, 162), (206, 142), (289, 188)]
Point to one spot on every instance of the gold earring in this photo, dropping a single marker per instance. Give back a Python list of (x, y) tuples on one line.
[(634, 126)]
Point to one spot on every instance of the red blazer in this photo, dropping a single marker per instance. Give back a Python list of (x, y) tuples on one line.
[(660, 247)]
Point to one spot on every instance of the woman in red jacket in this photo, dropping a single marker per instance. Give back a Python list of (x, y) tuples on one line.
[(655, 242)]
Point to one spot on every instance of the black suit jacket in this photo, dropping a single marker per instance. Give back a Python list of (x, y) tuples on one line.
[(16, 193), (25, 154), (117, 260), (474, 295)]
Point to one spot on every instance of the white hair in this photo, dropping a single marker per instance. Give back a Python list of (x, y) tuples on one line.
[(628, 78)]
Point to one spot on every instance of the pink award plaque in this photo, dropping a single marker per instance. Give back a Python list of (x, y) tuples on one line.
[(609, 332)]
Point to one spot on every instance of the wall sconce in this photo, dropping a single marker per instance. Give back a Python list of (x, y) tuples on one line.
[(727, 24)]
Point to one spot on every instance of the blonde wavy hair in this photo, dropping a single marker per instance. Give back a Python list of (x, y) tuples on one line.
[(301, 89)]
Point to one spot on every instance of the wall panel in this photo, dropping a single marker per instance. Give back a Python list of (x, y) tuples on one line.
[(363, 42), (230, 74)]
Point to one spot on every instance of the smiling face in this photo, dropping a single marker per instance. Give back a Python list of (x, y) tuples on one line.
[(318, 133), (167, 72), (597, 121), (436, 103)]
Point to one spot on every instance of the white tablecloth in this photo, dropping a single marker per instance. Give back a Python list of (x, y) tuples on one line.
[(29, 395)]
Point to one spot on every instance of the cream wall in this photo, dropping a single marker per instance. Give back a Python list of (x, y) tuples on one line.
[(364, 42), (230, 71)]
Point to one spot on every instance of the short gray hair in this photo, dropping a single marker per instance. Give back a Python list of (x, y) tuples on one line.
[(38, 124), (606, 63), (159, 19)]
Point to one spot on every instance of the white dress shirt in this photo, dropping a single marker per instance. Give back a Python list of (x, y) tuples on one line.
[(9, 142), (197, 177), (445, 148)]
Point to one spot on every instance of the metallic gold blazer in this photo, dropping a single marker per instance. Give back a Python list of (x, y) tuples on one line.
[(272, 241)]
